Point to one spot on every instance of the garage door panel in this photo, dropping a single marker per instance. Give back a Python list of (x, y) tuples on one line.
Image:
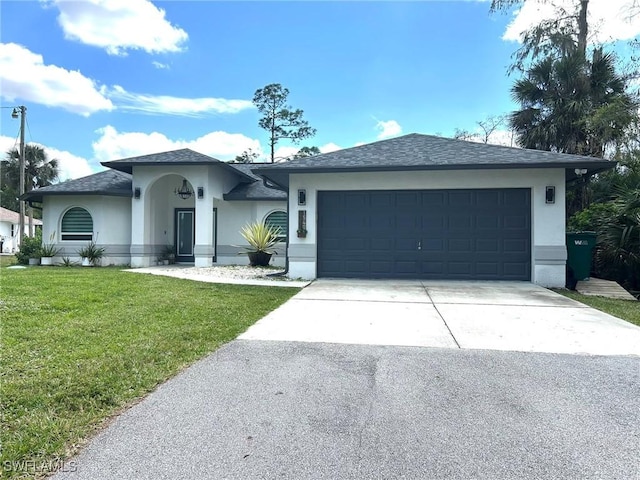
[(433, 245), (488, 222), (487, 269), (382, 201), (515, 246), (461, 221), (408, 199), (460, 245), (463, 234), (435, 269), (488, 199), (519, 196), (359, 200), (381, 244), (434, 198), (460, 198), (489, 245), (516, 222)]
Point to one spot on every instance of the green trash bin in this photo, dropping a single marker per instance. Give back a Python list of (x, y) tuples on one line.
[(580, 247)]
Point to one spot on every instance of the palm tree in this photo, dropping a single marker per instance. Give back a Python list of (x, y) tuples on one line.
[(618, 252), (573, 105), (40, 171)]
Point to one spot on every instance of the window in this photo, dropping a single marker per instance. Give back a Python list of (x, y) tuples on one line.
[(278, 220), (77, 224)]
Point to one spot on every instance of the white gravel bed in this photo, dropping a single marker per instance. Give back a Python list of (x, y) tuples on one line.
[(235, 272)]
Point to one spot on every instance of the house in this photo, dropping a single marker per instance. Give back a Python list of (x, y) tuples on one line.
[(420, 206), (415, 206), (9, 229), (141, 205)]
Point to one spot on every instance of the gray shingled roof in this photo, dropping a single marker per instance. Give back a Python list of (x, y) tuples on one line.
[(109, 182), (426, 152), (183, 156), (255, 190)]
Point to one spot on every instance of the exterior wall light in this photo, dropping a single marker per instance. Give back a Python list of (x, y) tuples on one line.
[(550, 194)]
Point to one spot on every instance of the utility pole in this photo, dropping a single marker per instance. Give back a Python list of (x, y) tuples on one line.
[(22, 112)]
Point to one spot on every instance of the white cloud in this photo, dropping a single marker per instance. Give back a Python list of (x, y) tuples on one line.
[(609, 20), (387, 129), (70, 165), (167, 105), (24, 76), (113, 145), (330, 147), (283, 153), (160, 66), (119, 25)]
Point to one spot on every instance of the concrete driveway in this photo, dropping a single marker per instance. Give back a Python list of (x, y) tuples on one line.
[(320, 408), (514, 316), (311, 411)]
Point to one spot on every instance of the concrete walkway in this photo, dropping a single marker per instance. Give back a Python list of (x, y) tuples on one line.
[(514, 316), (597, 287)]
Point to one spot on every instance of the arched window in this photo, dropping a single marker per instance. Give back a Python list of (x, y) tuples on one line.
[(77, 224), (278, 220)]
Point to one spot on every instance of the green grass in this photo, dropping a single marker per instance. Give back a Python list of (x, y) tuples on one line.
[(80, 344), (628, 310)]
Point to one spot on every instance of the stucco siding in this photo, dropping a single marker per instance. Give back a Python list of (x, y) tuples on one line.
[(111, 225), (548, 220), (232, 216), (8, 241)]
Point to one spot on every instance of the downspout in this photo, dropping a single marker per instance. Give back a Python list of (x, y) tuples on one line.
[(286, 247)]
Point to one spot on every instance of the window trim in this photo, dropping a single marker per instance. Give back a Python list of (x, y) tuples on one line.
[(76, 236)]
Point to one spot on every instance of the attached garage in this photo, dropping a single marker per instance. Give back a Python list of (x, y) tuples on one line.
[(426, 207), (482, 234)]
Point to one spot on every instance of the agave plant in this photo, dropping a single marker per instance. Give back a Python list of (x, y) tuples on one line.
[(260, 237)]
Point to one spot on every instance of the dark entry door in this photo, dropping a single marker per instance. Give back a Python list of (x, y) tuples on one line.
[(185, 233)]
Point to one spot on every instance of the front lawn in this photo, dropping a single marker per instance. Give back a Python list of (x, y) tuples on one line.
[(7, 260), (628, 310), (79, 344)]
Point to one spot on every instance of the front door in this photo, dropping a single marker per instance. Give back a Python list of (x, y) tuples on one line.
[(185, 234)]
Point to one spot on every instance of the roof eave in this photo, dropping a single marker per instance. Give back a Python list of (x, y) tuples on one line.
[(605, 164), (251, 199), (36, 196), (280, 176), (127, 167)]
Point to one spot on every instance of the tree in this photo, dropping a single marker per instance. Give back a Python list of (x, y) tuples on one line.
[(40, 171), (307, 152), (571, 105), (488, 126), (279, 119), (562, 35), (248, 156)]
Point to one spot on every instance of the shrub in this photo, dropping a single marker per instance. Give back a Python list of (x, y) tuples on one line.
[(30, 247)]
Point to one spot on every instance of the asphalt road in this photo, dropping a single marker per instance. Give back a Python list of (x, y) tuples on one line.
[(264, 410)]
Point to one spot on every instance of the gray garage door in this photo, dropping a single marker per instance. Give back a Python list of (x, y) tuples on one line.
[(430, 234)]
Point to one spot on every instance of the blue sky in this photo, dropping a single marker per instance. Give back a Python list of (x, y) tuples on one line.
[(109, 79)]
